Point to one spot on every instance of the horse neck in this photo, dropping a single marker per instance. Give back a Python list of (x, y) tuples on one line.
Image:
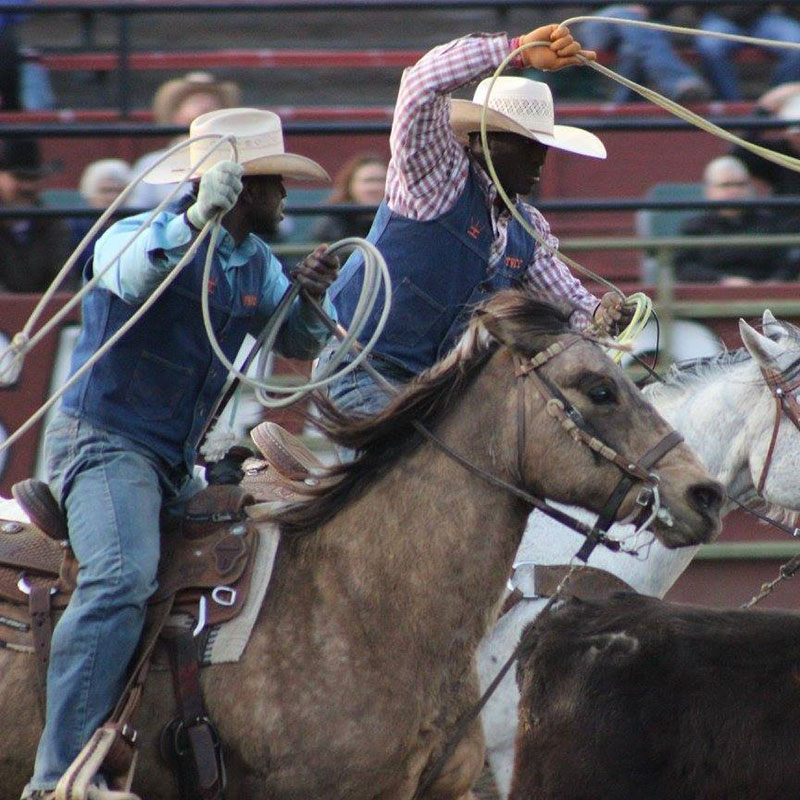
[(430, 536), (714, 413)]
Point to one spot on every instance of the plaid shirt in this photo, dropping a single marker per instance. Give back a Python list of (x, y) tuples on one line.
[(429, 167)]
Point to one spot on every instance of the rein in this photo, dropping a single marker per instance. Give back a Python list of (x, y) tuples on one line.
[(785, 403)]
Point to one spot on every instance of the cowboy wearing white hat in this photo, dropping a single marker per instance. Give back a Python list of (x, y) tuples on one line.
[(123, 443), (446, 235)]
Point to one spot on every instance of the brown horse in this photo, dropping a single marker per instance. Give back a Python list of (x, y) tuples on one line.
[(363, 654)]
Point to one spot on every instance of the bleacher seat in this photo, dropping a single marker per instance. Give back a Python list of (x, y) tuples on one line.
[(656, 222)]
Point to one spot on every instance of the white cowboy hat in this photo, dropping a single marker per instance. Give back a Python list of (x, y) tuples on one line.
[(259, 148), (525, 107)]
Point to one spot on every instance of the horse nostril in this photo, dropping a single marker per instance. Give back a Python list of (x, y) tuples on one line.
[(706, 497)]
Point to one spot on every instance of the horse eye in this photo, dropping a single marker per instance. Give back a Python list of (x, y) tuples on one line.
[(601, 394)]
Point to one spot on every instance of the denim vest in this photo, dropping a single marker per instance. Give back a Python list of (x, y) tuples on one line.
[(159, 384), (439, 270)]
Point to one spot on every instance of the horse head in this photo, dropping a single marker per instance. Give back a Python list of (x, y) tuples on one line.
[(591, 426), (774, 462)]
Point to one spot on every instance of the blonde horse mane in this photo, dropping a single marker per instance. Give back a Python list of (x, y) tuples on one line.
[(380, 440)]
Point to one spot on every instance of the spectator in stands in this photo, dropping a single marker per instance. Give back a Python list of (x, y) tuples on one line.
[(446, 234), (32, 249), (761, 20), (783, 102), (101, 183), (360, 181), (727, 178), (178, 102), (644, 55)]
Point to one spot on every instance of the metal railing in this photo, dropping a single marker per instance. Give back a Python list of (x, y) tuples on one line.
[(124, 12)]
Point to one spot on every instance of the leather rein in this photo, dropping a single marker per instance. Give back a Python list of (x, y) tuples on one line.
[(785, 403)]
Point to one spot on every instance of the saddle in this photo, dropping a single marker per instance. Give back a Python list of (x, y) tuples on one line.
[(207, 555)]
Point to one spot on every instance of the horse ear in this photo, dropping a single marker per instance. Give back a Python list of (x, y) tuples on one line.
[(763, 349), (771, 327)]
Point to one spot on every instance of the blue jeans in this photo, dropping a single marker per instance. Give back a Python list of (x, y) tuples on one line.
[(112, 490), (717, 53), (357, 392), (643, 54)]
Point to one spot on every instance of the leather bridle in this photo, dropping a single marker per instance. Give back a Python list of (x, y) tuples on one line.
[(785, 403), (579, 429), (571, 419)]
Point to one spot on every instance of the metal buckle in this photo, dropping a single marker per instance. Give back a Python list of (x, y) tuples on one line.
[(25, 587), (223, 595)]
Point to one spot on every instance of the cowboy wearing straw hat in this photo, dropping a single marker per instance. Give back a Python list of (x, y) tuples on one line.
[(122, 446), (447, 237)]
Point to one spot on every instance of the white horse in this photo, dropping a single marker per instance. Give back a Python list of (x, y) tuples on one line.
[(726, 413)]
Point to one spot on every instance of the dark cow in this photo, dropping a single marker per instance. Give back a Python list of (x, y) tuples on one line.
[(632, 698)]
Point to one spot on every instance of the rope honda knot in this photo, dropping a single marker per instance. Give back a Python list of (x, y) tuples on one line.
[(12, 359)]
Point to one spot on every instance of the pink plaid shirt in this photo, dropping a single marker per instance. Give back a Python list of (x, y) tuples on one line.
[(429, 167)]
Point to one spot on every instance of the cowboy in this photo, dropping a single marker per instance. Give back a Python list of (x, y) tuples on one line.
[(122, 446), (446, 235)]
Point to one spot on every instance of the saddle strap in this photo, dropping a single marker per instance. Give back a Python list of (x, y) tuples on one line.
[(42, 632), (203, 743)]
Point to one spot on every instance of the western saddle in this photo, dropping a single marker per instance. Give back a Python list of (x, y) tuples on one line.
[(204, 575)]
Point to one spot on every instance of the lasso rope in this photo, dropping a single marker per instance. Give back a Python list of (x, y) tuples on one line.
[(376, 272), (643, 304), (11, 359)]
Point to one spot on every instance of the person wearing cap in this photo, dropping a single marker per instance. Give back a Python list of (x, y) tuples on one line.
[(446, 235), (32, 249), (121, 448), (177, 102)]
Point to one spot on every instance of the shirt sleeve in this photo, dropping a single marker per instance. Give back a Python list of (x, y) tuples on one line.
[(428, 166), (551, 277), (302, 335), (135, 274)]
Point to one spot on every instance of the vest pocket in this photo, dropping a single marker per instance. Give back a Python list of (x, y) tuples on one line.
[(414, 313), (157, 386)]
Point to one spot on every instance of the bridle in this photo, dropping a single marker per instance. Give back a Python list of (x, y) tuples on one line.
[(786, 403), (574, 423), (579, 429)]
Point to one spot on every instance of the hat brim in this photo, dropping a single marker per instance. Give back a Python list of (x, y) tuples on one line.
[(289, 165), (465, 118)]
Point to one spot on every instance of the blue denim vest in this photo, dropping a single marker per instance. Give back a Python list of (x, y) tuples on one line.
[(440, 270), (159, 384)]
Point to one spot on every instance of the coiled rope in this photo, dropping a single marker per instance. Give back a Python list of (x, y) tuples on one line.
[(643, 304)]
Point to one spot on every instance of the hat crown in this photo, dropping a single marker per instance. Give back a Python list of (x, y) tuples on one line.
[(257, 133), (527, 102)]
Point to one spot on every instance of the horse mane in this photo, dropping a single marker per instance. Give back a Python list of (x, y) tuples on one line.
[(380, 440), (683, 374)]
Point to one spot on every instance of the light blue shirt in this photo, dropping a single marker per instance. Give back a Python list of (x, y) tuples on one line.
[(142, 267)]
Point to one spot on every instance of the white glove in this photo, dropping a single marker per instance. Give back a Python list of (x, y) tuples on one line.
[(219, 190)]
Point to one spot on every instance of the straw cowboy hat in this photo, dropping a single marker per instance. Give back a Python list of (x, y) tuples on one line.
[(525, 107), (170, 95), (259, 148)]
